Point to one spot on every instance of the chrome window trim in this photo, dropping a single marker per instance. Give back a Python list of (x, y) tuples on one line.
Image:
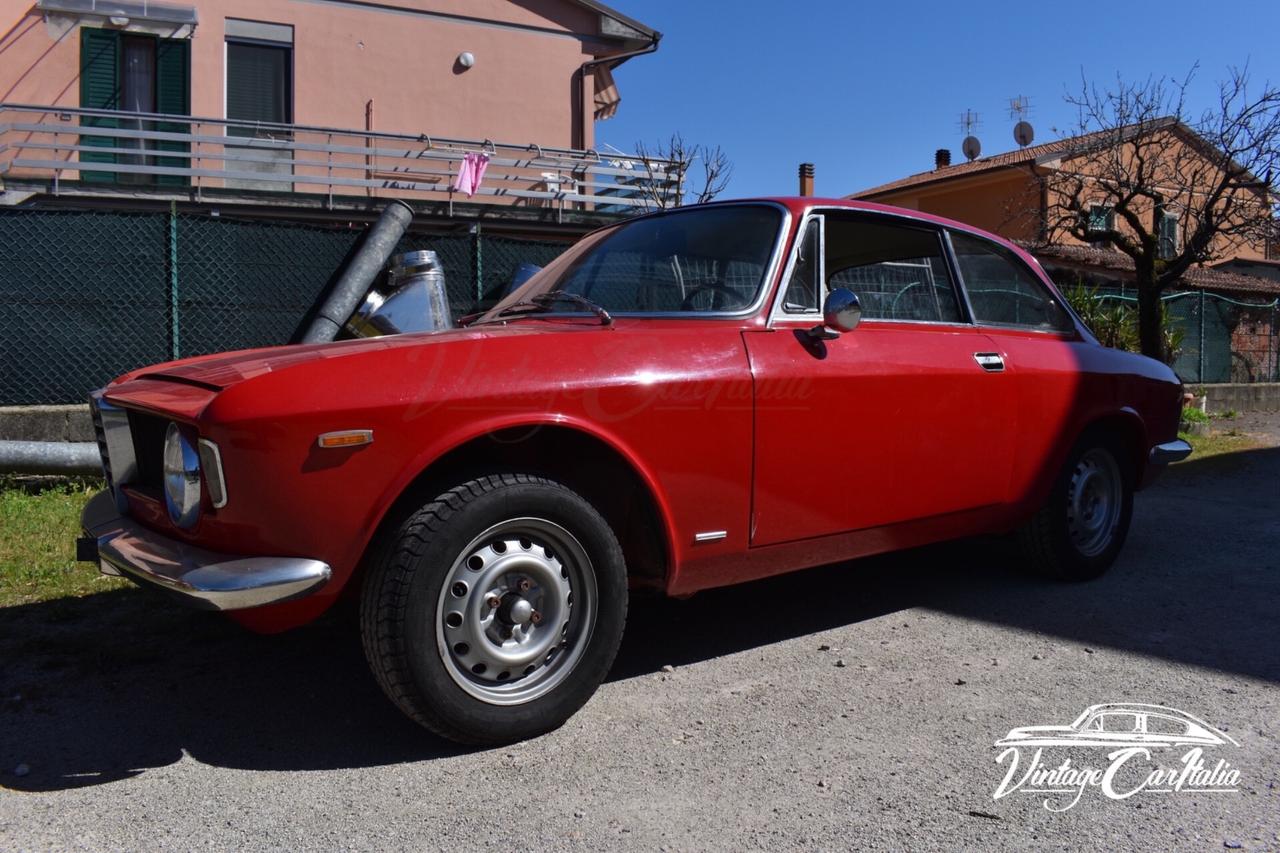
[(767, 278), (955, 324), (1068, 334), (954, 263)]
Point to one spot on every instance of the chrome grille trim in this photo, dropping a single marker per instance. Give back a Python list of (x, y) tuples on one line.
[(115, 442), (100, 435)]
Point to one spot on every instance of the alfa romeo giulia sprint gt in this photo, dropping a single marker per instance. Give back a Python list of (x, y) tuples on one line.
[(685, 400)]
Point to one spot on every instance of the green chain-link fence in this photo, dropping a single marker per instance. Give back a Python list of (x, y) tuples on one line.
[(1223, 339), (86, 296)]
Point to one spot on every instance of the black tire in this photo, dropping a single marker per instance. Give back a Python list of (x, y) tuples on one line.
[(403, 608), (1048, 544)]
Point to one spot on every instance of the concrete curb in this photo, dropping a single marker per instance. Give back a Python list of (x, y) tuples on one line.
[(46, 423)]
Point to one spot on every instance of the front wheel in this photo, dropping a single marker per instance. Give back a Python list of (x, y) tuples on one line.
[(1079, 531), (497, 610)]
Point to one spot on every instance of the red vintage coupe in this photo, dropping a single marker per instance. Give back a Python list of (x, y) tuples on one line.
[(685, 400)]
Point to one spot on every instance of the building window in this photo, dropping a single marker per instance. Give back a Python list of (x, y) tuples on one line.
[(1101, 217), (259, 76), (1167, 223), (259, 100), (134, 73)]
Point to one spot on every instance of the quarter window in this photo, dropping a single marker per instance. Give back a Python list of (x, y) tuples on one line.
[(1003, 291), (802, 293), (898, 272)]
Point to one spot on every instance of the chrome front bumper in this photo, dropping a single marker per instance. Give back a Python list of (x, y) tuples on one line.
[(1170, 451), (204, 579)]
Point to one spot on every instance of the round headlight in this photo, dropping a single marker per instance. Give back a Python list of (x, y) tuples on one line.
[(181, 478)]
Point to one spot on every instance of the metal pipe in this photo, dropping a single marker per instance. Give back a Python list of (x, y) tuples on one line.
[(354, 280), (50, 457)]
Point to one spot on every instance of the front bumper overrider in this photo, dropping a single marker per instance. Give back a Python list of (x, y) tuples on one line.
[(203, 579)]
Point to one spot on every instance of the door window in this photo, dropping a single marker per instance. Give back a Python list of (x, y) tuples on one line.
[(1002, 290), (897, 271)]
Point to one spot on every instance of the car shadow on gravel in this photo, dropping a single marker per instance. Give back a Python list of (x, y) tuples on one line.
[(103, 688)]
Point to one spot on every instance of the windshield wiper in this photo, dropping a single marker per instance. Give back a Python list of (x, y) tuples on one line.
[(543, 301)]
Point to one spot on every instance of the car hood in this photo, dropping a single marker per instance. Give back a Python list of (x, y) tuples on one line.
[(224, 370)]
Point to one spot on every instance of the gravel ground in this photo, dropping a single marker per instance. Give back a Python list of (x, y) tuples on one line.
[(854, 706)]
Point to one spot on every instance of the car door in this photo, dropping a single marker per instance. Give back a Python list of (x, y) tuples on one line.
[(1012, 306), (908, 416)]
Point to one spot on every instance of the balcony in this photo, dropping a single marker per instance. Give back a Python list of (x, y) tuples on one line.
[(84, 153)]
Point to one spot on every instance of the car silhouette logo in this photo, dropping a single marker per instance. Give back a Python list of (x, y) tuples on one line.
[(1121, 725)]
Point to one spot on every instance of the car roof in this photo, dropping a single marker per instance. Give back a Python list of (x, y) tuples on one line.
[(797, 205)]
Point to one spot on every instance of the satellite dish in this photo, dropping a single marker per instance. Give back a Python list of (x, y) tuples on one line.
[(971, 147), (1023, 134)]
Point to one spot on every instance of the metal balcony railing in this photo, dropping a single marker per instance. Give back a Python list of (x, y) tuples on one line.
[(65, 149)]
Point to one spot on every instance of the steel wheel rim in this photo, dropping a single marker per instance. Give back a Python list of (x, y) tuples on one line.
[(516, 611), (1093, 502)]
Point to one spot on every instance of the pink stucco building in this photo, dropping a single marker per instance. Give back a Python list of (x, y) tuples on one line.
[(341, 100), (323, 62)]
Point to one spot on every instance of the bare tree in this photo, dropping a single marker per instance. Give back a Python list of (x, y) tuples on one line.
[(1167, 189), (675, 158)]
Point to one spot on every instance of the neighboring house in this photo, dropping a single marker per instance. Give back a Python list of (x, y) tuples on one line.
[(1011, 194)]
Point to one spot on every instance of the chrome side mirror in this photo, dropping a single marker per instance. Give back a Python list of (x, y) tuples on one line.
[(840, 313)]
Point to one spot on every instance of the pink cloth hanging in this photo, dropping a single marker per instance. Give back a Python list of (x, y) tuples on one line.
[(470, 173)]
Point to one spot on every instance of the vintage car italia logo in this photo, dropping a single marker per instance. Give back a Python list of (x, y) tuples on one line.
[(1119, 749)]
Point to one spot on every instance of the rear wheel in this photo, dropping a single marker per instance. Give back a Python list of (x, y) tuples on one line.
[(497, 610), (1079, 531)]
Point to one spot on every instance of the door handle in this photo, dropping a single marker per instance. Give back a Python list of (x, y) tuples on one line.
[(992, 362)]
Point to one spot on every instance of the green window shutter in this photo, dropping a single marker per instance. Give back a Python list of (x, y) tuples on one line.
[(173, 96), (1168, 236), (99, 89)]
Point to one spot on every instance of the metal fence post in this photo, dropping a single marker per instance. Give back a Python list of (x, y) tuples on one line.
[(1273, 341), (1201, 353), (477, 259), (174, 344)]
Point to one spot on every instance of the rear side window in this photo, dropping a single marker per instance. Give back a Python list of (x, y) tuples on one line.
[(1002, 291), (898, 272)]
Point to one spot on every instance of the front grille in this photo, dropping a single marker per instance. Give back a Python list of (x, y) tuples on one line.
[(115, 445), (100, 435), (148, 433)]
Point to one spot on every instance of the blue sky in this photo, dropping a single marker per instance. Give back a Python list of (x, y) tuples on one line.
[(867, 91)]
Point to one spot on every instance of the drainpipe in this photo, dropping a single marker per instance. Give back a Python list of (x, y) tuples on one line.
[(50, 457), (358, 275), (581, 130)]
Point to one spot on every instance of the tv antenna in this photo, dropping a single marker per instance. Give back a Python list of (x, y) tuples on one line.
[(969, 124), (1020, 108)]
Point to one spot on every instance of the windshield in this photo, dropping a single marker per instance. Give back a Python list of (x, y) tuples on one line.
[(697, 261)]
